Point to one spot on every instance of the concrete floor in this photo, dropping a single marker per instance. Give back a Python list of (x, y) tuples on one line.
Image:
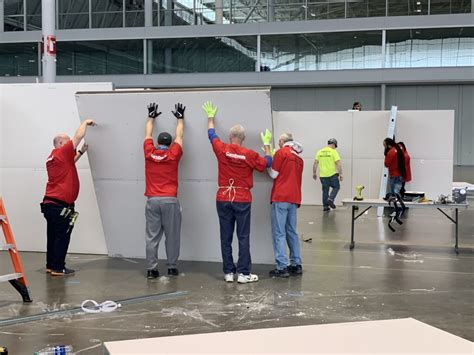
[(424, 280)]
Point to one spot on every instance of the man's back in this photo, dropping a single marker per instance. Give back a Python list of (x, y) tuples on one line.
[(63, 181), (236, 165), (327, 158), (287, 185), (161, 169)]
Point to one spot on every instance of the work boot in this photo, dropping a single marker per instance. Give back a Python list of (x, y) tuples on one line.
[(279, 273), (152, 274), (331, 204), (173, 272), (295, 269), (326, 209), (63, 272)]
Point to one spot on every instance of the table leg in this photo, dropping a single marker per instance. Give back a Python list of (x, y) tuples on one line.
[(352, 227), (456, 246)]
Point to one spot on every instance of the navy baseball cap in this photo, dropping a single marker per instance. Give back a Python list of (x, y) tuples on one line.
[(164, 138)]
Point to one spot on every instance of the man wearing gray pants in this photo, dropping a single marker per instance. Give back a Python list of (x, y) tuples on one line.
[(163, 212)]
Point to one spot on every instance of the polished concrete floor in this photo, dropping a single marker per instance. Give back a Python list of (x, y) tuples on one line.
[(410, 273)]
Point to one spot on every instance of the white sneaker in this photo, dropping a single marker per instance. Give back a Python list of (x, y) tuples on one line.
[(229, 277), (243, 279)]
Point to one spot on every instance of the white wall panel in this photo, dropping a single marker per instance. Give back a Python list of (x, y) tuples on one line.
[(428, 136), (30, 116), (313, 129)]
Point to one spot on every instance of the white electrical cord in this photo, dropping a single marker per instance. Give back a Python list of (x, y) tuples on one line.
[(106, 307)]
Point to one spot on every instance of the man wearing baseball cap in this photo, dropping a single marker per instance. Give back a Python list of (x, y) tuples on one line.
[(163, 212), (330, 173)]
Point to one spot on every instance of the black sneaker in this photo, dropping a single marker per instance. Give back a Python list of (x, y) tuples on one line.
[(331, 204), (280, 273), (173, 272), (326, 209), (63, 272), (295, 269), (152, 274)]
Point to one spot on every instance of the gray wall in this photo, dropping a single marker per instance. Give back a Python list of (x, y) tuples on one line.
[(428, 97)]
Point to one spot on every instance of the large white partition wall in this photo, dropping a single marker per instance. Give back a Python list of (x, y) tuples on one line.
[(30, 116), (117, 162), (428, 135)]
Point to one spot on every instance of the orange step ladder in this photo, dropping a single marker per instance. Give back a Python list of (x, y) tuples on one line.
[(17, 279)]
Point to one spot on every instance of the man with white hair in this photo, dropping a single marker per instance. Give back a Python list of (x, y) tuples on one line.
[(235, 169), (62, 190), (287, 172)]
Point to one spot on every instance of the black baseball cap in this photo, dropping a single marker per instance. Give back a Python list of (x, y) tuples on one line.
[(164, 138)]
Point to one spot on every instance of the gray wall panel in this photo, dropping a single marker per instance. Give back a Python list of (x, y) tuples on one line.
[(116, 158)]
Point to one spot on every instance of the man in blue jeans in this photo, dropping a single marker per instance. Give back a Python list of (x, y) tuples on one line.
[(330, 173), (287, 172), (233, 199)]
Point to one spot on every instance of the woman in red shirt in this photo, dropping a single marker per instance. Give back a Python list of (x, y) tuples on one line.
[(395, 162)]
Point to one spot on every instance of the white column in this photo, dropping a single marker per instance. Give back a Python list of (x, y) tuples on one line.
[(219, 12), (49, 40), (148, 13)]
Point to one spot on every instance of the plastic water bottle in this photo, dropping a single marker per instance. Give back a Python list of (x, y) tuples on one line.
[(56, 350)]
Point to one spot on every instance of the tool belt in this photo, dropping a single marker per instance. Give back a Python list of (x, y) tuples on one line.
[(66, 212)]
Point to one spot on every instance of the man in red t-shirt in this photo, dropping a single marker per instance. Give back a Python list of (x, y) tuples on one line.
[(287, 172), (62, 190), (235, 169), (162, 212)]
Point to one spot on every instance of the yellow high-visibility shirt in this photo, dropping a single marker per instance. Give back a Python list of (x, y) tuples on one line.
[(327, 158)]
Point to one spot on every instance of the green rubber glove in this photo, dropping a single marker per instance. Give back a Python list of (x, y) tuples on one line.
[(267, 137), (272, 151), (210, 109)]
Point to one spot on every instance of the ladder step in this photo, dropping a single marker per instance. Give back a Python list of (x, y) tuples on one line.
[(3, 217), (9, 277), (7, 247)]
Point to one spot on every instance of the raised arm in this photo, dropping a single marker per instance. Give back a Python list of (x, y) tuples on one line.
[(179, 114), (152, 114), (211, 111), (81, 132), (80, 152), (267, 144)]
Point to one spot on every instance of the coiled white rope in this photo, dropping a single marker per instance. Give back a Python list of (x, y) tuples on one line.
[(105, 307)]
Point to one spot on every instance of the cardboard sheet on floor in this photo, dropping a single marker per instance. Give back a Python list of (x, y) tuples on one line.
[(116, 158), (372, 337)]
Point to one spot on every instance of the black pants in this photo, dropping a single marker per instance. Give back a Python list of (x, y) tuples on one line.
[(59, 235)]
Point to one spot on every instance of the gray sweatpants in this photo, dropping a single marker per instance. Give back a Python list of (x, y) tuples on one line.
[(163, 215)]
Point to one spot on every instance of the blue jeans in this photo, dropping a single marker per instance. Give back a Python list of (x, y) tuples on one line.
[(230, 214), (395, 184), (283, 233), (330, 182)]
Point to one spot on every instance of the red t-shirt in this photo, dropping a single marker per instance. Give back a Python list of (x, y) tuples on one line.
[(391, 162), (287, 185), (407, 165), (235, 166), (63, 181), (161, 169)]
